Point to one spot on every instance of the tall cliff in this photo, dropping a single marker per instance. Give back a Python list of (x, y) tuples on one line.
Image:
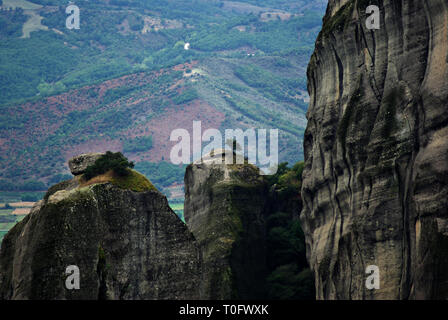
[(225, 211), (376, 151), (120, 233)]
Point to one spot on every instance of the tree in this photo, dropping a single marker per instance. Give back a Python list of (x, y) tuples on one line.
[(110, 161)]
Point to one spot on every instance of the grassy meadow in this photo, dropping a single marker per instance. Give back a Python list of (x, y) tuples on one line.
[(12, 207)]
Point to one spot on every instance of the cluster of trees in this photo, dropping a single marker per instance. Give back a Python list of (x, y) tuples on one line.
[(32, 197), (138, 144), (269, 37), (270, 85), (110, 161), (59, 177), (27, 63), (47, 89), (11, 22), (49, 63)]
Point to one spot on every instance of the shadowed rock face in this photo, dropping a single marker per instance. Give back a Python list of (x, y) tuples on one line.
[(224, 209), (376, 150), (127, 245)]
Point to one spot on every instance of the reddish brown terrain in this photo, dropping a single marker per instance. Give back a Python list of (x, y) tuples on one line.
[(93, 119)]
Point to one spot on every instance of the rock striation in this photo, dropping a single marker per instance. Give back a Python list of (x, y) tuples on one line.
[(375, 186), (126, 244)]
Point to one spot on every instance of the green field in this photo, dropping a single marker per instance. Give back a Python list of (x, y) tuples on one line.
[(6, 225), (178, 208), (7, 219)]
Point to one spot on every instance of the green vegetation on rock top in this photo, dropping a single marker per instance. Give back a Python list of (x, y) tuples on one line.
[(115, 168), (133, 181)]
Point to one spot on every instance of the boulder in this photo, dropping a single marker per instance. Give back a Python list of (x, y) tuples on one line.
[(79, 164)]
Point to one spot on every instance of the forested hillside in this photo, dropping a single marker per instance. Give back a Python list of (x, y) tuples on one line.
[(125, 80)]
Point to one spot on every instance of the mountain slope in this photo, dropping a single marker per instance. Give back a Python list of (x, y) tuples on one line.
[(127, 245), (125, 75)]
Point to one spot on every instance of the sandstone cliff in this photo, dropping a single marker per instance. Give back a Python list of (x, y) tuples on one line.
[(225, 211), (376, 151), (120, 232)]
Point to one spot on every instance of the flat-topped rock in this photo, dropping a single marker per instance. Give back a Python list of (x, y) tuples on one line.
[(79, 164)]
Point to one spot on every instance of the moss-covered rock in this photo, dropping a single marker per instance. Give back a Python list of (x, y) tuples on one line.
[(133, 181)]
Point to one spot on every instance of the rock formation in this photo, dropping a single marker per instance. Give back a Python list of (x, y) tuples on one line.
[(225, 210), (79, 164), (126, 244), (376, 151)]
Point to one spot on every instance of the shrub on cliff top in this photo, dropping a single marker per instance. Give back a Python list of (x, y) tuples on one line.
[(110, 161)]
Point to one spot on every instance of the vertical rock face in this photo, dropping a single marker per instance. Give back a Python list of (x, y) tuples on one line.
[(127, 245), (224, 209), (376, 150)]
